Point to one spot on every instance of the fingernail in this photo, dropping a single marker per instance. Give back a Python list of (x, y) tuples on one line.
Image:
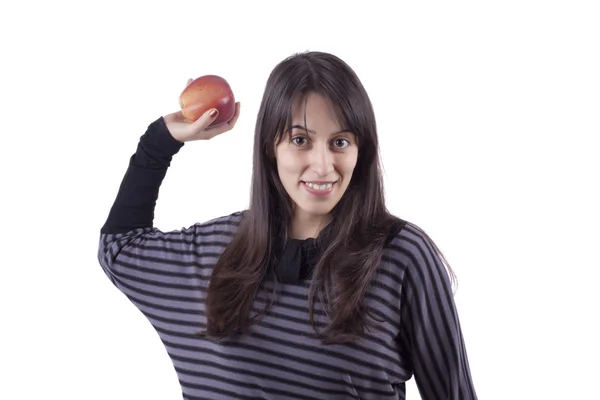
[(214, 113)]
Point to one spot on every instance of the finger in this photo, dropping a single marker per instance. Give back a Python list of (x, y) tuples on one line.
[(188, 82), (205, 120), (235, 116), (217, 130)]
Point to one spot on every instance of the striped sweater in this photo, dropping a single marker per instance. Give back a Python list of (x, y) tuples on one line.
[(165, 275)]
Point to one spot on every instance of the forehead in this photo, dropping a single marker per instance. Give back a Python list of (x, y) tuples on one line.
[(315, 110)]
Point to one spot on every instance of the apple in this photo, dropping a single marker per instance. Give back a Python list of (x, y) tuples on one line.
[(204, 93)]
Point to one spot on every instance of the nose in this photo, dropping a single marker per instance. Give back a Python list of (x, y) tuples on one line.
[(321, 160)]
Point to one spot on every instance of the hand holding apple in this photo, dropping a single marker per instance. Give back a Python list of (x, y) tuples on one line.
[(199, 100)]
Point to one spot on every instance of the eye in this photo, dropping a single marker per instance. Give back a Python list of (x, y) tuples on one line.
[(341, 143), (299, 140)]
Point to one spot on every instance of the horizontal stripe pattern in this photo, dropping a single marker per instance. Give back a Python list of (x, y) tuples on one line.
[(165, 274)]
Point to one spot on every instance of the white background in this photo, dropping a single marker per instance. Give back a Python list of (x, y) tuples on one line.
[(488, 115)]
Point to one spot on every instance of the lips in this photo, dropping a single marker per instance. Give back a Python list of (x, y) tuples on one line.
[(318, 187)]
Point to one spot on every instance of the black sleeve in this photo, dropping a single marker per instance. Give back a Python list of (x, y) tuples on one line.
[(136, 199)]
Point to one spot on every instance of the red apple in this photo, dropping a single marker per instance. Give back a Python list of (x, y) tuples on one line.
[(204, 93)]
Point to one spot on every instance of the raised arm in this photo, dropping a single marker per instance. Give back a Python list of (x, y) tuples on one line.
[(135, 202), (132, 251), (134, 205)]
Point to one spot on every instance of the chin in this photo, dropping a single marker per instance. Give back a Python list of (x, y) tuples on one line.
[(316, 209)]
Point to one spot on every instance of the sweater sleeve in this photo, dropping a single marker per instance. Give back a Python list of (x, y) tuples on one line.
[(135, 202), (141, 260), (430, 324)]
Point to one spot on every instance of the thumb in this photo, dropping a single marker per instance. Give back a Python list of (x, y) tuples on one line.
[(205, 120)]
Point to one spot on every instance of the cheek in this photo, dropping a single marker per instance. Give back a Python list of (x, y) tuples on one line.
[(289, 165), (349, 163)]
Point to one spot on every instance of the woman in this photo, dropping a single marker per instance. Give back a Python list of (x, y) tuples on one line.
[(316, 291)]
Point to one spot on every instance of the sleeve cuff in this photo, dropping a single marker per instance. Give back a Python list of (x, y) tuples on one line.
[(161, 140), (157, 146)]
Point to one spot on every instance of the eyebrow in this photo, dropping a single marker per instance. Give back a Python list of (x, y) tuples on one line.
[(311, 131)]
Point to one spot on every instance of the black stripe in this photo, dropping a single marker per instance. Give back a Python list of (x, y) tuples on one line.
[(270, 351), (285, 317), (119, 275), (188, 238), (353, 345), (161, 284), (154, 271), (321, 350), (393, 276), (171, 261), (195, 250), (246, 385), (274, 328), (424, 272), (252, 361), (230, 394), (191, 311), (122, 284), (268, 377)]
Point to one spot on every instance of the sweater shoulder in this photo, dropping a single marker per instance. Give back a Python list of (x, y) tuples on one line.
[(408, 244)]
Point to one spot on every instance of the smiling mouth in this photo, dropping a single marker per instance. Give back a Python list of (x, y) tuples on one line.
[(318, 187)]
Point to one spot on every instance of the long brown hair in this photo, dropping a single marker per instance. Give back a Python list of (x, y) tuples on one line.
[(357, 239)]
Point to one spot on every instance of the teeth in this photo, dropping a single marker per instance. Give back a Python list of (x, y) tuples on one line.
[(319, 187)]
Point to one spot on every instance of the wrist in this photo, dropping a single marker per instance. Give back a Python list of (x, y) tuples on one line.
[(161, 140)]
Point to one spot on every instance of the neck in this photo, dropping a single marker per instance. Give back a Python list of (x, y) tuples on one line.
[(306, 225)]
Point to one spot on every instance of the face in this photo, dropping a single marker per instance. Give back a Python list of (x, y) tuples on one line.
[(316, 162)]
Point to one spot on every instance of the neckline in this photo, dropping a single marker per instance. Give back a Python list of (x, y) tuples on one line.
[(314, 240)]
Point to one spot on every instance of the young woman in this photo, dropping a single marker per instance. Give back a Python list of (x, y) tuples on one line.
[(315, 291)]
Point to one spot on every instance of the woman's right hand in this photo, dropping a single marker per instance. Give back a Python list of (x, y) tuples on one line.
[(184, 131)]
